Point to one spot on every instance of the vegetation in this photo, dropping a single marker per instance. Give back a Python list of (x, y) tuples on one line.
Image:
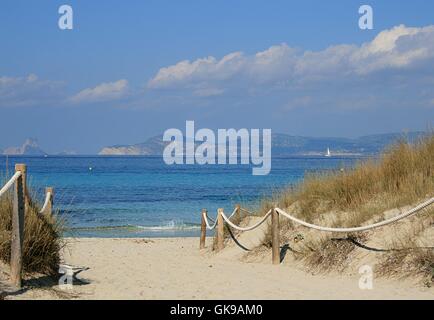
[(42, 238), (403, 175)]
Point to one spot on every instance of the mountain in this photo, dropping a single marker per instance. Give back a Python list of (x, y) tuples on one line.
[(30, 148), (284, 144), (152, 146)]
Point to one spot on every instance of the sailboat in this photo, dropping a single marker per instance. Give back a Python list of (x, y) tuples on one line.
[(328, 154)]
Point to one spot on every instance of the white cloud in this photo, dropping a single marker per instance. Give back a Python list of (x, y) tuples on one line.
[(102, 92), (28, 91), (396, 48), (204, 69)]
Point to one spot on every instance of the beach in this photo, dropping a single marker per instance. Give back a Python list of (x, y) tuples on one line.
[(174, 268), (211, 151)]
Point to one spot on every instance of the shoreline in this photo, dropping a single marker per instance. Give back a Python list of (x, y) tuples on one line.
[(131, 233), (175, 268)]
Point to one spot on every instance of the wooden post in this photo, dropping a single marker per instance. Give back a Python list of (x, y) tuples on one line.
[(275, 237), (220, 230), (18, 226), (238, 208), (49, 209), (202, 230)]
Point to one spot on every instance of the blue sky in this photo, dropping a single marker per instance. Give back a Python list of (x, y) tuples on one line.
[(131, 69)]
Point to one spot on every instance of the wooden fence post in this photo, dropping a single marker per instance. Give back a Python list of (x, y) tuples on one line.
[(220, 230), (18, 226), (202, 230), (49, 208), (238, 208), (275, 237)]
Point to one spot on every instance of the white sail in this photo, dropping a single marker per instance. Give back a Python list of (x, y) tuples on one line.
[(328, 154)]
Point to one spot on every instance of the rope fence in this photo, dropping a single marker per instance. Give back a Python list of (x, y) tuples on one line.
[(10, 183), (246, 228), (21, 204), (275, 213), (48, 203)]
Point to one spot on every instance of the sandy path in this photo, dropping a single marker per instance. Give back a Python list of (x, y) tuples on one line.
[(176, 269)]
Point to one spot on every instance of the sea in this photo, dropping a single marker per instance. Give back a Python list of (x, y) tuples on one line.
[(135, 196)]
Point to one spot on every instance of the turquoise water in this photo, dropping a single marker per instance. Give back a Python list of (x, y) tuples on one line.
[(144, 197)]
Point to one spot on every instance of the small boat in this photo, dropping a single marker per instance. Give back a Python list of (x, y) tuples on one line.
[(328, 154)]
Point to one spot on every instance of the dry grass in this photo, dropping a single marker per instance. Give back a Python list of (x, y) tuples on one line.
[(42, 239), (411, 253), (331, 254), (402, 175), (417, 262)]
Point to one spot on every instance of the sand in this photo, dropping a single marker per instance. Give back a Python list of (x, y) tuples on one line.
[(174, 268)]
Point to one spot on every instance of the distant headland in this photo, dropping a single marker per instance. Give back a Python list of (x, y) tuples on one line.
[(287, 145), (282, 145)]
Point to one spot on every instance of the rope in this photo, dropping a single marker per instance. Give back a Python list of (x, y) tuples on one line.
[(205, 217), (10, 183), (233, 212), (313, 226), (246, 228), (363, 228), (47, 201), (212, 220)]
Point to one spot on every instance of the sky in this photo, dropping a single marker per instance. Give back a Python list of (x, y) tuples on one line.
[(129, 70)]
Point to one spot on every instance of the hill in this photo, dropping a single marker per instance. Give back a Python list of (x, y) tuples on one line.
[(286, 145), (30, 147)]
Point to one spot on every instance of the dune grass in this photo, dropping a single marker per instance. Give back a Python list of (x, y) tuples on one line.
[(402, 175), (407, 263), (410, 254), (42, 238)]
